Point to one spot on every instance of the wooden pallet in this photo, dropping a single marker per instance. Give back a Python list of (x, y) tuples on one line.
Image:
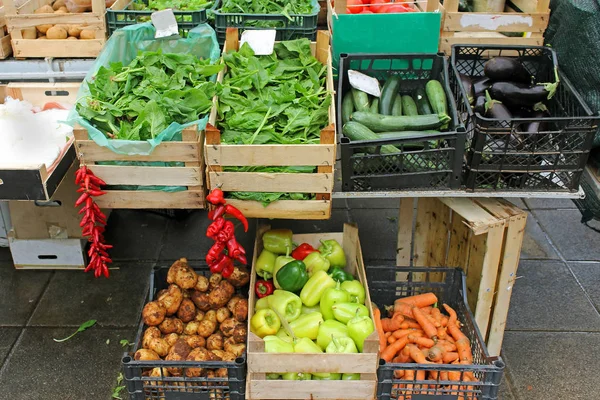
[(261, 363), (481, 236), (320, 155), (5, 49), (22, 17), (485, 28)]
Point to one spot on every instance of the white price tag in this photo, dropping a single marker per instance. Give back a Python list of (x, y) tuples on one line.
[(364, 82), (165, 23), (261, 41)]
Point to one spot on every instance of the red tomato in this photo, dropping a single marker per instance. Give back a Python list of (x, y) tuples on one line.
[(378, 6), (354, 7), (367, 12), (395, 8)]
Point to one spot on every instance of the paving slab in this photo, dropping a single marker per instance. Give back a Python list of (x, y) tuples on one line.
[(378, 231), (557, 366), (518, 202), (8, 336), (547, 297), (535, 243), (574, 241), (5, 254), (552, 204), (84, 367), (588, 275), (74, 297), (135, 234), (19, 293), (505, 392)]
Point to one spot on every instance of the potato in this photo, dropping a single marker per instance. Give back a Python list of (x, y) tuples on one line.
[(150, 333), (171, 338), (161, 293), (202, 284), (240, 310), (211, 315), (201, 300), (191, 328), (186, 311), (198, 354), (231, 303), (153, 313), (180, 347), (72, 38), (159, 346), (199, 316), (43, 28), (42, 37), (61, 11), (74, 31), (214, 281), (239, 277), (182, 274), (215, 341), (174, 357), (29, 33), (195, 341), (221, 373), (239, 333), (171, 325), (228, 326), (221, 294), (44, 10), (172, 299), (206, 328), (87, 34), (58, 4), (145, 355), (236, 348), (222, 314), (224, 355), (56, 32), (157, 373)]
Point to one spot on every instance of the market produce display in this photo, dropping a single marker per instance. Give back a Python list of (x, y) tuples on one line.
[(268, 7), (317, 310), (379, 7), (157, 5)]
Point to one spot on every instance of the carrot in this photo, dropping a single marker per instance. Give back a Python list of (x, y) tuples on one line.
[(391, 339), (416, 354), (420, 300), (403, 309), (404, 356), (390, 351), (444, 320), (398, 374), (377, 321), (388, 334), (426, 310), (436, 353), (410, 323), (421, 341), (404, 332), (409, 375), (444, 375), (447, 345), (428, 328), (449, 357), (463, 348), (392, 324), (441, 333), (433, 321)]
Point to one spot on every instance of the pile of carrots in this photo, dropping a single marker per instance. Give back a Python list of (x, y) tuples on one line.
[(417, 331)]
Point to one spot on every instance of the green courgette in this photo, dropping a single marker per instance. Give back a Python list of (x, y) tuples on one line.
[(360, 99), (347, 107), (409, 107), (388, 94), (356, 131), (397, 107), (437, 97), (375, 105), (422, 102), (404, 134), (387, 123)]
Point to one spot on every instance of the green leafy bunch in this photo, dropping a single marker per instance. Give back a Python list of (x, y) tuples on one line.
[(267, 7), (140, 100), (183, 5)]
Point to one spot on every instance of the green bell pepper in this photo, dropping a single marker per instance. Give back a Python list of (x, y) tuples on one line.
[(308, 310), (273, 344), (264, 323), (273, 377), (313, 290), (356, 290), (341, 345), (326, 376), (287, 304), (344, 312), (351, 377), (330, 297), (339, 274), (359, 328), (265, 264), (328, 329), (283, 335), (316, 262), (296, 376), (262, 304), (278, 241), (292, 276), (307, 326), (332, 251), (305, 345), (280, 262)]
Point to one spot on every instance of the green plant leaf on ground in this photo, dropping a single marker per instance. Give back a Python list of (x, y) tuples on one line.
[(82, 327)]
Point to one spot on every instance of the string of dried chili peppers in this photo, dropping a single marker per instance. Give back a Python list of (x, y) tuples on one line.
[(221, 255), (93, 220)]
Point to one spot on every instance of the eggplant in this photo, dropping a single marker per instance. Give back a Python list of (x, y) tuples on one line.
[(518, 94), (498, 111), (480, 86), (480, 105), (506, 69), (468, 85)]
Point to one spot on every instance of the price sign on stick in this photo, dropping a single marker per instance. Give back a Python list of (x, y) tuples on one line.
[(261, 41), (364, 82), (165, 23)]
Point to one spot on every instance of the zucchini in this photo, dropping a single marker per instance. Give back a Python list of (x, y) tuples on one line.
[(404, 134), (387, 123), (437, 98), (360, 99), (388, 95), (409, 107), (357, 131), (375, 105), (422, 102), (397, 107), (347, 107)]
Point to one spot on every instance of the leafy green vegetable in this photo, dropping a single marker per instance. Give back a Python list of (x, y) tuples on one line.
[(267, 198), (268, 7), (82, 327), (116, 394), (181, 5), (140, 100)]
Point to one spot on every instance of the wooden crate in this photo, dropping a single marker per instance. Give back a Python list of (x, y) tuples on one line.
[(5, 49), (35, 182), (47, 254), (319, 155), (481, 236), (188, 151), (261, 363), (18, 18), (485, 28)]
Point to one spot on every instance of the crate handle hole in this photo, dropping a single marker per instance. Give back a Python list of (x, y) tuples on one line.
[(62, 93), (47, 257), (51, 203)]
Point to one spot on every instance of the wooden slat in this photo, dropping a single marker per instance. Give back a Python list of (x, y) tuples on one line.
[(29, 20), (40, 93), (285, 209), (296, 390), (89, 151), (148, 176), (477, 218), (270, 155), (271, 182), (140, 199), (306, 362), (57, 48), (494, 22), (5, 48), (405, 225), (438, 239)]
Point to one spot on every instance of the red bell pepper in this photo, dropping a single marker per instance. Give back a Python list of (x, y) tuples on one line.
[(215, 227), (302, 251), (216, 197), (227, 232), (222, 262), (214, 252), (228, 270), (263, 288)]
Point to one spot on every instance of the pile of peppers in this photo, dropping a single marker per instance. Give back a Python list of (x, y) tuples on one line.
[(93, 221), (221, 255)]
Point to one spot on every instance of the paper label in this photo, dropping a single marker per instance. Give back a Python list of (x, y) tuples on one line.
[(261, 41), (364, 82), (165, 23)]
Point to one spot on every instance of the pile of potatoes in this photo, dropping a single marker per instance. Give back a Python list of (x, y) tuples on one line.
[(58, 31), (194, 319)]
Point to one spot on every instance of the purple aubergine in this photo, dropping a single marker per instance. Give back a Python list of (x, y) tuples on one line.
[(506, 69), (498, 111), (480, 105), (481, 85), (468, 86), (518, 94), (538, 126)]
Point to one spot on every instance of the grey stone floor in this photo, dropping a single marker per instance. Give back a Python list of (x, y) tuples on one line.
[(552, 343)]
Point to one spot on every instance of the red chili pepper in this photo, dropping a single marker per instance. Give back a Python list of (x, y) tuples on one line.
[(216, 197), (96, 181), (242, 259), (220, 264), (215, 227), (263, 288), (234, 212), (228, 270), (86, 182), (96, 192), (214, 252), (227, 232), (234, 249), (302, 251), (81, 199), (216, 213)]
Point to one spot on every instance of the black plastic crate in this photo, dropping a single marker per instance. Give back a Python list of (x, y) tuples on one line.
[(297, 26), (449, 286), (130, 15), (499, 155), (432, 162), (142, 387)]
